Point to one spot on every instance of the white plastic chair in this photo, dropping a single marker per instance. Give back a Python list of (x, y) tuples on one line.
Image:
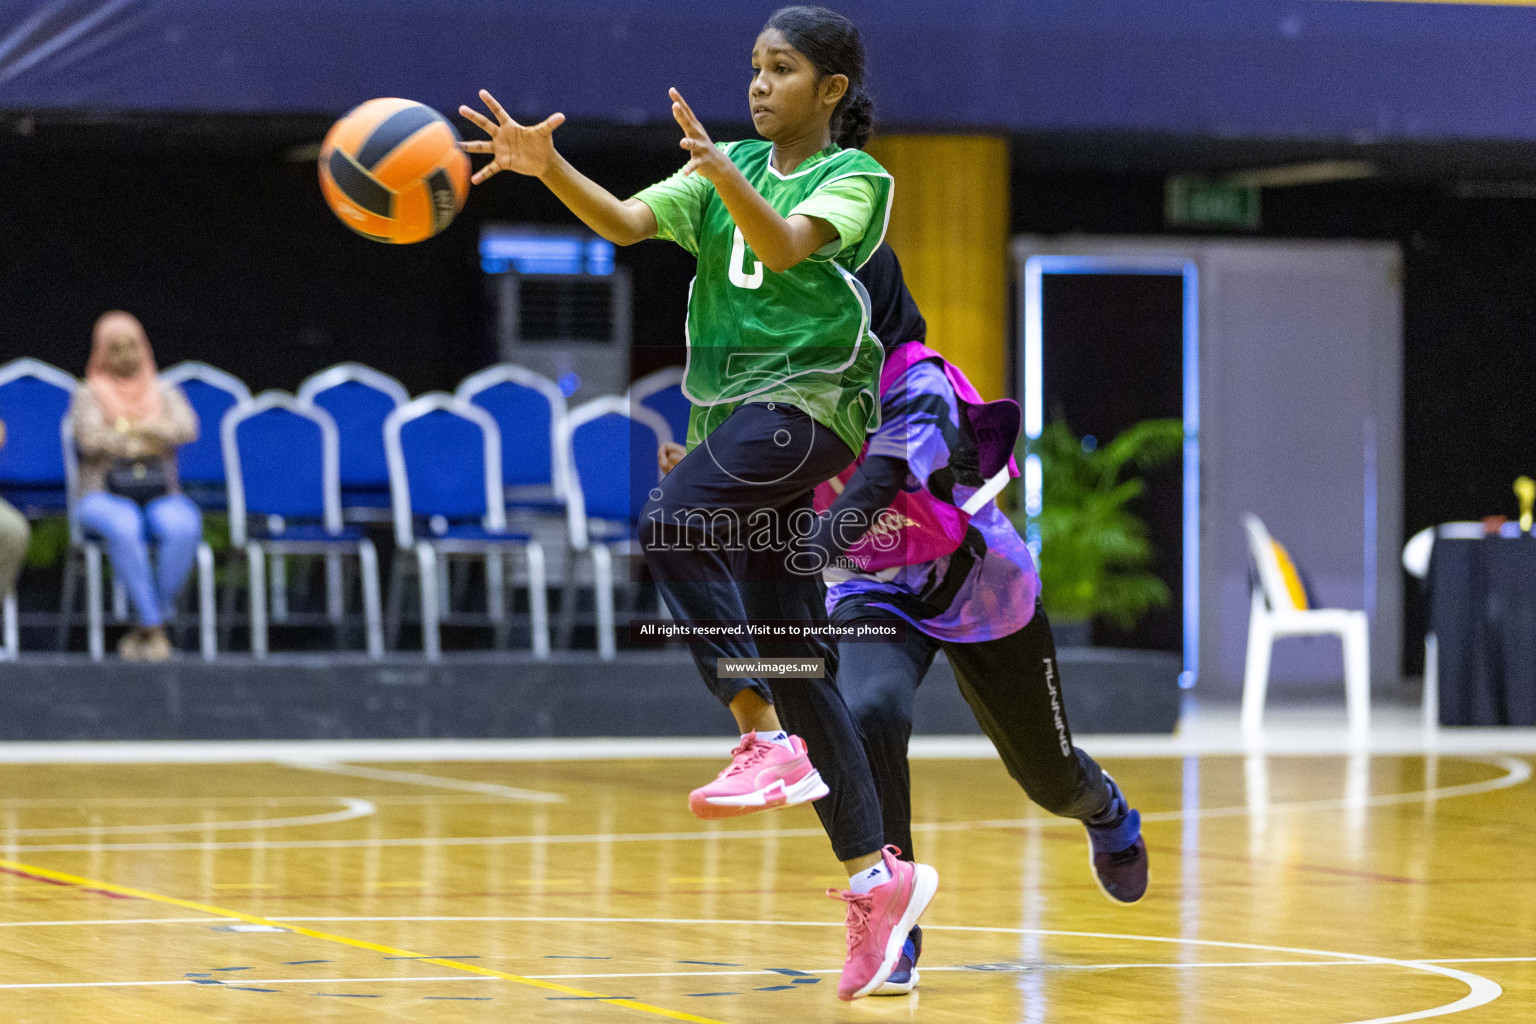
[(1275, 614)]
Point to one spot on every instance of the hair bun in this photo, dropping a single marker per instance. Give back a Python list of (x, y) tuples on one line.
[(855, 121)]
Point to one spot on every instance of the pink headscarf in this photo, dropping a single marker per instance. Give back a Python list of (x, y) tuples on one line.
[(136, 397)]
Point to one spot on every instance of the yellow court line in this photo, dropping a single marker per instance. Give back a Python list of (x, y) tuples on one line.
[(173, 901)]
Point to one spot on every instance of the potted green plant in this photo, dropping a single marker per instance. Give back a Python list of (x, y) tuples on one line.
[(1095, 553)]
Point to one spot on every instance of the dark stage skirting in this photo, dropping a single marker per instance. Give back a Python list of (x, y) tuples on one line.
[(1482, 607), (476, 696)]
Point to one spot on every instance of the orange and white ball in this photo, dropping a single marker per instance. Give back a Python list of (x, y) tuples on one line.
[(392, 170)]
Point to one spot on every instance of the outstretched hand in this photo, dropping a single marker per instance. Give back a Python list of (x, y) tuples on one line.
[(513, 147), (705, 158)]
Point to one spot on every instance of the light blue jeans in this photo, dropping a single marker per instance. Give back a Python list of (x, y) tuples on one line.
[(172, 523)]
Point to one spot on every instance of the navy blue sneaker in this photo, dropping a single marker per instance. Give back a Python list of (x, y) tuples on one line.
[(1117, 853), (903, 977)]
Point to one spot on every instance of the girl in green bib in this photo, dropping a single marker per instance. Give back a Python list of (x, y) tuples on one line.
[(783, 375)]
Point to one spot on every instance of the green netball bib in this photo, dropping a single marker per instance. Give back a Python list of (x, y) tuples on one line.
[(800, 337)]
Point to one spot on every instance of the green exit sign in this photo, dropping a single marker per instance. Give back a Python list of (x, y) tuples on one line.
[(1201, 202)]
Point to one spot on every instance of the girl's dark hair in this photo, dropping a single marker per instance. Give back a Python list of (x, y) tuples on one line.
[(831, 42)]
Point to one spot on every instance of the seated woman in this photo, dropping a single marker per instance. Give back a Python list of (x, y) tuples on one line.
[(127, 426)]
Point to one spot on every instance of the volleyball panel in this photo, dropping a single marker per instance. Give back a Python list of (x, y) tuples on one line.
[(356, 125), (447, 194), (414, 220), (359, 202), (394, 130), (458, 172), (415, 157)]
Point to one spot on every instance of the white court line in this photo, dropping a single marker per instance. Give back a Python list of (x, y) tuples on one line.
[(98, 984), (166, 801), (391, 800), (353, 807), (1516, 772), (251, 751), (1208, 742), (435, 781), (1481, 990), (118, 920), (243, 980), (989, 969)]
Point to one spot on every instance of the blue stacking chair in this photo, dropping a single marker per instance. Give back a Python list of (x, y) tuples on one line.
[(34, 399), (610, 449), (211, 392), (662, 392), (88, 546), (528, 409), (282, 462), (359, 399), (445, 476)]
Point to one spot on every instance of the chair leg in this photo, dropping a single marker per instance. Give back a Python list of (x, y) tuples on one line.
[(12, 628), (431, 641), (227, 600), (368, 563), (347, 582), (538, 599), (279, 570), (602, 570), (258, 572), (67, 596), (568, 595), (1431, 708), (96, 641), (1261, 641), (496, 595), (207, 624), (397, 579), (335, 590), (1357, 674)]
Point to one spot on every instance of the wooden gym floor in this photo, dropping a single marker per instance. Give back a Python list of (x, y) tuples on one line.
[(1295, 889)]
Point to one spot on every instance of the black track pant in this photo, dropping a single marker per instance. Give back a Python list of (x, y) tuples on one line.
[(702, 532), (1014, 688)]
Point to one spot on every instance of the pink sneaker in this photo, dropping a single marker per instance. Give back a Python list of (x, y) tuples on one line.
[(761, 775), (879, 922)]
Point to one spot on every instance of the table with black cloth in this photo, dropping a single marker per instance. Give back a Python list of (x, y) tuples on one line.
[(1482, 609)]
